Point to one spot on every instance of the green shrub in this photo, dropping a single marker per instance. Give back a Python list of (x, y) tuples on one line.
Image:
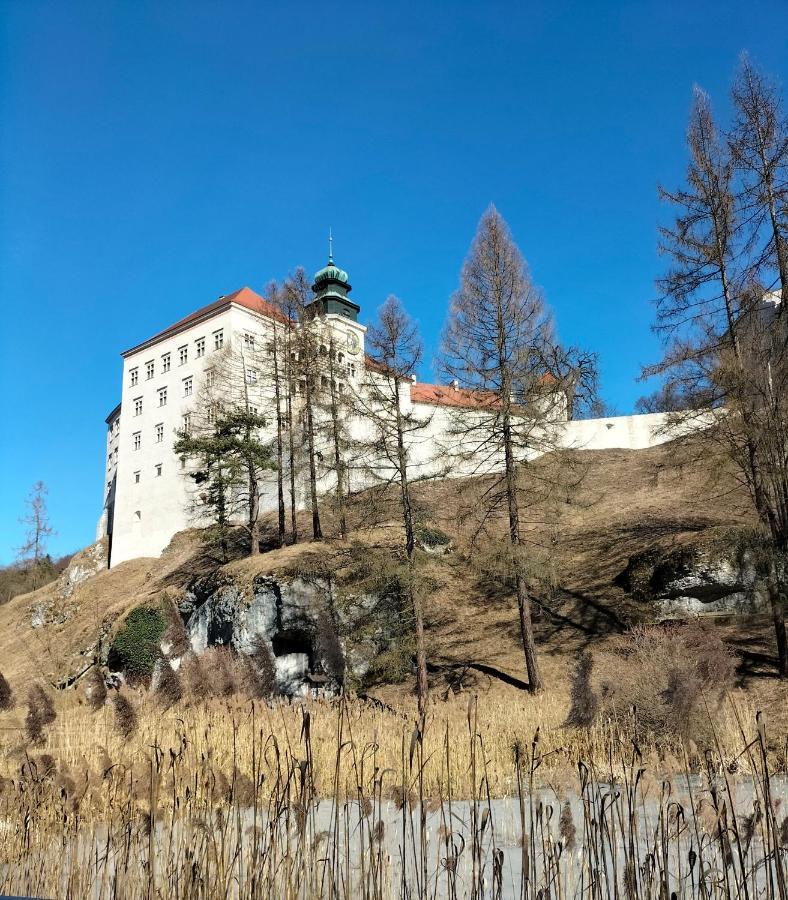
[(135, 648), (431, 536)]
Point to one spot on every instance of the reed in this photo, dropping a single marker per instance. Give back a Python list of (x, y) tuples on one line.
[(234, 798)]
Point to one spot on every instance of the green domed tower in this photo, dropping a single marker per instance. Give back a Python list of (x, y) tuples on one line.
[(331, 289)]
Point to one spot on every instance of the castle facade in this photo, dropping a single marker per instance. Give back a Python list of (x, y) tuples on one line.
[(148, 495)]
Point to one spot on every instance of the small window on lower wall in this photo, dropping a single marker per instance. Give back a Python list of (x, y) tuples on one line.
[(136, 478), (158, 470), (137, 515)]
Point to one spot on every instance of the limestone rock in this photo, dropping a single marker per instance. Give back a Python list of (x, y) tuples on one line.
[(694, 580), (289, 614)]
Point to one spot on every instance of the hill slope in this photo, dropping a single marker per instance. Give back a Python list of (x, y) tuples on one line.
[(579, 541)]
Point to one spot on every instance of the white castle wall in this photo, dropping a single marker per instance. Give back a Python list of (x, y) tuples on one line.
[(147, 513)]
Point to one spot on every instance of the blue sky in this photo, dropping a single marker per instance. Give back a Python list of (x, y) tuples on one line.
[(154, 156)]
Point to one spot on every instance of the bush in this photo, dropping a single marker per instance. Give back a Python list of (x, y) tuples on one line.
[(668, 681), (125, 716), (40, 713), (431, 536), (6, 694), (135, 648)]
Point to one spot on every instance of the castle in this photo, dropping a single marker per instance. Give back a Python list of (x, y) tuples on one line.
[(147, 492)]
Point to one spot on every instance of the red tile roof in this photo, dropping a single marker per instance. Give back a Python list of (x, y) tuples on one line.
[(441, 395), (245, 297), (446, 395)]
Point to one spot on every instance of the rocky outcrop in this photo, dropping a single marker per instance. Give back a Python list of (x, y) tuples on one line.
[(304, 628), (59, 603), (695, 580)]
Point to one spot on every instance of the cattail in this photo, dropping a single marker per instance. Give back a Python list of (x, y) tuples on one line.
[(566, 827), (584, 701), (168, 689), (96, 689), (218, 668), (46, 765), (125, 717), (40, 713), (784, 833), (262, 661), (194, 678), (329, 648), (6, 694), (175, 636)]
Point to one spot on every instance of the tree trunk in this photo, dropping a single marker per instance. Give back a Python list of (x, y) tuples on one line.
[(317, 532), (280, 487), (422, 684), (338, 464), (777, 603), (523, 600)]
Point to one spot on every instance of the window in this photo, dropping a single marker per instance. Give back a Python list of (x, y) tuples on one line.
[(323, 382), (340, 356), (209, 378), (137, 515), (159, 433), (165, 362), (251, 376), (341, 387), (187, 422), (187, 387), (249, 341), (149, 367), (158, 470), (218, 339), (210, 414), (183, 355), (200, 345), (136, 478), (134, 373), (323, 350), (352, 370), (163, 396), (252, 410), (137, 440), (301, 387), (138, 406)]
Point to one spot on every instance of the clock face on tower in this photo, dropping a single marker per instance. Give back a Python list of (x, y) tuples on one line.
[(353, 345)]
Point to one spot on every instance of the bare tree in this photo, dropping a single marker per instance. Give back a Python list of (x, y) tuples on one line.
[(724, 365), (383, 402), (37, 522), (515, 386), (334, 420), (277, 374), (305, 361), (759, 149)]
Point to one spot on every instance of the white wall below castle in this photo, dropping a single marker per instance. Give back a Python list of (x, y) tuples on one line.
[(617, 432)]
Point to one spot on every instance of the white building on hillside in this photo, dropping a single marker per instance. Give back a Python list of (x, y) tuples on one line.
[(148, 494)]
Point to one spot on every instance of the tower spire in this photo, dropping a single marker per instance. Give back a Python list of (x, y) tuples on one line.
[(330, 248)]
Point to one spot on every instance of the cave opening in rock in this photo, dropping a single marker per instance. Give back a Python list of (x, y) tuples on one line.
[(286, 642), (220, 631)]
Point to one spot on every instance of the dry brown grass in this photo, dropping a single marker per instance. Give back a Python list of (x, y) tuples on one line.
[(224, 730)]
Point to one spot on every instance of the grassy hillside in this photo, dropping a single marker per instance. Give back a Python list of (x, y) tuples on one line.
[(579, 540)]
